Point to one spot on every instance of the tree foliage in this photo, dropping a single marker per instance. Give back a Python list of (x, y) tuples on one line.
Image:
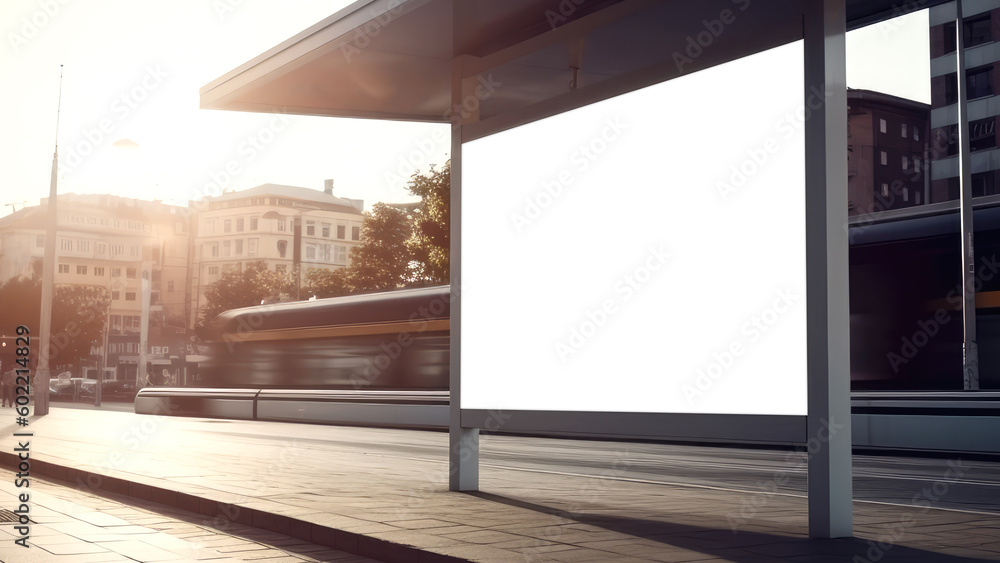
[(430, 242), (245, 288), (383, 259), (326, 283), (78, 315)]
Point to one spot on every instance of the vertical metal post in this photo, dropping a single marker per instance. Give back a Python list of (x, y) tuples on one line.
[(970, 355), (43, 371), (463, 451), (828, 340)]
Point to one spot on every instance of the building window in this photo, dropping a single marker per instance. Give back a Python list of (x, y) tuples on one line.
[(906, 162), (129, 296), (341, 232), (341, 257), (40, 241), (916, 133), (281, 225), (98, 270), (130, 273), (116, 272), (355, 233), (133, 251), (282, 248), (327, 255), (983, 183), (252, 247), (227, 249), (980, 82), (212, 250), (81, 270), (227, 226), (977, 30), (253, 223), (66, 244), (102, 249), (239, 247), (903, 130), (906, 194), (983, 134), (170, 286), (883, 158), (311, 228), (116, 295), (239, 224), (116, 324), (83, 246), (213, 270), (310, 252), (326, 230), (881, 125), (117, 250), (63, 268), (885, 189)]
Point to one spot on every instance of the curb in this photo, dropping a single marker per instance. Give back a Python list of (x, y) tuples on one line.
[(223, 513)]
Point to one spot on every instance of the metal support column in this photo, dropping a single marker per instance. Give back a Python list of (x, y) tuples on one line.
[(463, 451), (829, 406), (970, 355)]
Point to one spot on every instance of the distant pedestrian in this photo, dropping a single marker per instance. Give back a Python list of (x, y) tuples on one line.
[(9, 384)]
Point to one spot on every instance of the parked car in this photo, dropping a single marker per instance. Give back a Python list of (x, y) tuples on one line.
[(63, 389), (111, 390)]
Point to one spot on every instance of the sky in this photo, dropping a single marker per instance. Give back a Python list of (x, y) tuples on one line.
[(130, 125)]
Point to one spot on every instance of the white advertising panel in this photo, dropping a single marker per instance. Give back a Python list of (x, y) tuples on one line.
[(645, 253)]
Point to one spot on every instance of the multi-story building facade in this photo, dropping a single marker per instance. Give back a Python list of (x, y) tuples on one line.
[(109, 242), (886, 157), (285, 228), (981, 29)]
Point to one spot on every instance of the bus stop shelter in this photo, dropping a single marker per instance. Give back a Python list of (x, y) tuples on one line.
[(486, 67)]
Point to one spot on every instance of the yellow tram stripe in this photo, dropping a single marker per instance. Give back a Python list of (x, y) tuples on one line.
[(360, 329)]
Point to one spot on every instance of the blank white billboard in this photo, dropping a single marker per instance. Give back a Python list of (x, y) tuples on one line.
[(645, 253)]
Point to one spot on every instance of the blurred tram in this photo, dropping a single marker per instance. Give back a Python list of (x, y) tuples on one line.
[(383, 359)]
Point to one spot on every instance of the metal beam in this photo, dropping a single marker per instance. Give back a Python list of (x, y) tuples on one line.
[(463, 450), (827, 304), (970, 350)]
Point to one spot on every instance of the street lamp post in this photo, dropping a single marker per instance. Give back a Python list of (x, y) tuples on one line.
[(43, 372)]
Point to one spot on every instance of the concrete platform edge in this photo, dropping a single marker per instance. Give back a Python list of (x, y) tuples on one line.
[(331, 537)]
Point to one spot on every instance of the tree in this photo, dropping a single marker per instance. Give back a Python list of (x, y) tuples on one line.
[(383, 259), (78, 316), (245, 288), (430, 243), (326, 283)]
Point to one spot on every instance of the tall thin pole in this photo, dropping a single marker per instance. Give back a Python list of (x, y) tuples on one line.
[(970, 356), (43, 372)]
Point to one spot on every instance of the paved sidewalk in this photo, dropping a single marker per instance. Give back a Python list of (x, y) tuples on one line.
[(335, 486), (78, 527)]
